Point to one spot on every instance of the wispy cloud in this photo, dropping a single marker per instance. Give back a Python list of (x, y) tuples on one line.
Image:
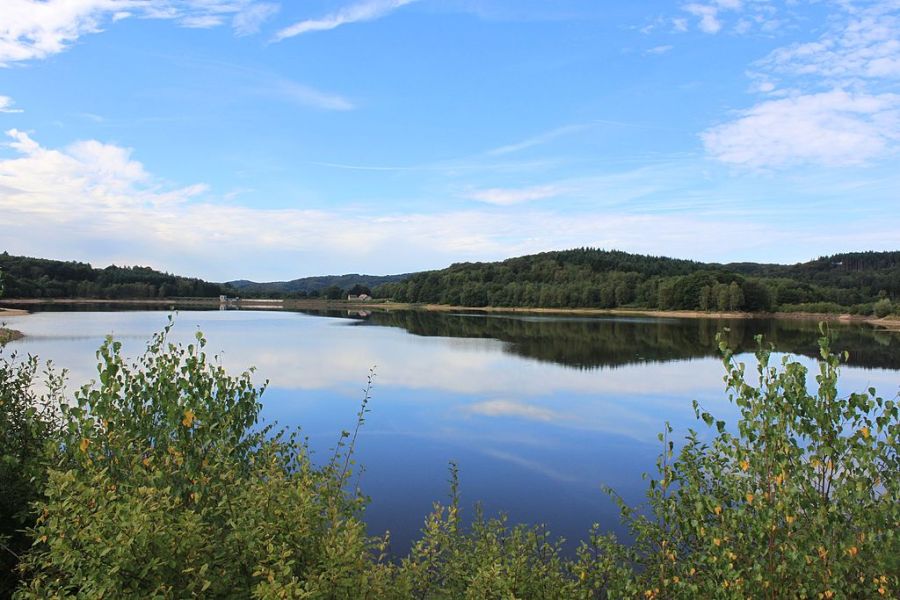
[(6, 105), (368, 10), (838, 106), (309, 96), (513, 408), (657, 50), (251, 19), (127, 214), (708, 15), (540, 139), (36, 29), (712, 15), (833, 128), (510, 196), (860, 46)]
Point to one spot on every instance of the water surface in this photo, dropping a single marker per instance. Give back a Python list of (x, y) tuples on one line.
[(539, 412)]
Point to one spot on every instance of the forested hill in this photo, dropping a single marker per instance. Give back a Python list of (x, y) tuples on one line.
[(25, 277), (315, 285), (865, 282)]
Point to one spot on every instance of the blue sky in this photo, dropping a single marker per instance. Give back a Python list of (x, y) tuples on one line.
[(270, 140)]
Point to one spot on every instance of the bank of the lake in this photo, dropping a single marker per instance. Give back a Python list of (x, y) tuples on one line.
[(8, 335), (891, 323)]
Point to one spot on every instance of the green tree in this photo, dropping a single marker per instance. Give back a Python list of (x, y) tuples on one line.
[(735, 296), (705, 297)]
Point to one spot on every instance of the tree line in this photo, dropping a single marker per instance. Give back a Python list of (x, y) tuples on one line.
[(26, 277), (864, 283)]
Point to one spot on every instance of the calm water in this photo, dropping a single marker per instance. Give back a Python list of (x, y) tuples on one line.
[(539, 412)]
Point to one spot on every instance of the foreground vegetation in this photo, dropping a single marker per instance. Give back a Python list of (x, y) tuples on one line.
[(156, 481)]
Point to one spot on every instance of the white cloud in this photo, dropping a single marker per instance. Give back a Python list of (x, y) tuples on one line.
[(6, 105), (863, 45), (839, 106), (708, 15), (711, 15), (657, 50), (309, 96), (508, 196), (93, 201), (367, 10), (833, 128), (36, 29), (250, 20)]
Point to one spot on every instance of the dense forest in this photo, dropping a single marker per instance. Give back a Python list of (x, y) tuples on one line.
[(863, 283), (25, 277), (315, 286), (866, 283)]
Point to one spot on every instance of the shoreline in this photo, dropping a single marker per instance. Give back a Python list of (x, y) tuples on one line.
[(890, 323), (9, 335)]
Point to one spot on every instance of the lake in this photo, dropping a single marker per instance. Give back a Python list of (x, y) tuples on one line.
[(539, 412)]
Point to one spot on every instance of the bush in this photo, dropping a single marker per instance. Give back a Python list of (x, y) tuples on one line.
[(882, 308), (26, 424), (814, 307), (802, 498), (165, 487), (866, 308)]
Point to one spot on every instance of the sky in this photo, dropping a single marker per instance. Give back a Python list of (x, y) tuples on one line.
[(265, 140)]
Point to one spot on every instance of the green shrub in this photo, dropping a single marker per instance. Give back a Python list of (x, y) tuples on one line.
[(882, 308), (165, 487), (814, 307), (866, 308), (26, 424), (801, 499)]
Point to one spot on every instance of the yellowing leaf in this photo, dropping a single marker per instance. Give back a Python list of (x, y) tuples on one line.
[(188, 419), (84, 444)]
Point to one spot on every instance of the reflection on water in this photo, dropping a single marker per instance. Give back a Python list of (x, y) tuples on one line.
[(538, 411), (591, 342)]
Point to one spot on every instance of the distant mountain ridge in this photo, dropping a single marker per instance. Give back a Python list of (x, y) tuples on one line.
[(314, 284)]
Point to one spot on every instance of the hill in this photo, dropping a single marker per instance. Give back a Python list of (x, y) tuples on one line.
[(314, 285), (863, 282), (26, 277)]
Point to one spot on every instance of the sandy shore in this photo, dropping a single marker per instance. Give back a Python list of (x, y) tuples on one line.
[(888, 323), (12, 312)]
